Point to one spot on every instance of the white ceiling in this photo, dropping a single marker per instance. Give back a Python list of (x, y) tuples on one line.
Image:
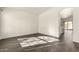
[(36, 10)]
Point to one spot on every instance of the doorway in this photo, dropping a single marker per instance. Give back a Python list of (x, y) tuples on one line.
[(67, 28)]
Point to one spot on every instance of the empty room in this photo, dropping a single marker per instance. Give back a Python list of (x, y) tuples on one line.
[(39, 29)]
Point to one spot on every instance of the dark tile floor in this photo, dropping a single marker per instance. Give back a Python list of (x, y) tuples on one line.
[(12, 45)]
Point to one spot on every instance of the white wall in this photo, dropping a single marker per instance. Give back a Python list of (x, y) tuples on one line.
[(49, 22), (76, 25), (17, 22), (0, 22)]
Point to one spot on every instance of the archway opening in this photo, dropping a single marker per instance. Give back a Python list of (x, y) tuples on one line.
[(66, 27)]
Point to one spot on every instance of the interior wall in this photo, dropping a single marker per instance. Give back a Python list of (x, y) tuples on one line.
[(61, 26), (76, 25), (17, 22), (0, 21), (49, 22), (20, 22)]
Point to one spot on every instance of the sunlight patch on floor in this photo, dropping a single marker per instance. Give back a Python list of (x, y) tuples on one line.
[(26, 42)]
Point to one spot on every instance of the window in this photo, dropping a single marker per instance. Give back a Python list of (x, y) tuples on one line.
[(68, 25)]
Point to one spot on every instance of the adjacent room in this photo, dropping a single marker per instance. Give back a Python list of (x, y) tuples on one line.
[(39, 29)]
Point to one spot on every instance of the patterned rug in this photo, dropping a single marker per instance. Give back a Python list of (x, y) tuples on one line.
[(26, 42)]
